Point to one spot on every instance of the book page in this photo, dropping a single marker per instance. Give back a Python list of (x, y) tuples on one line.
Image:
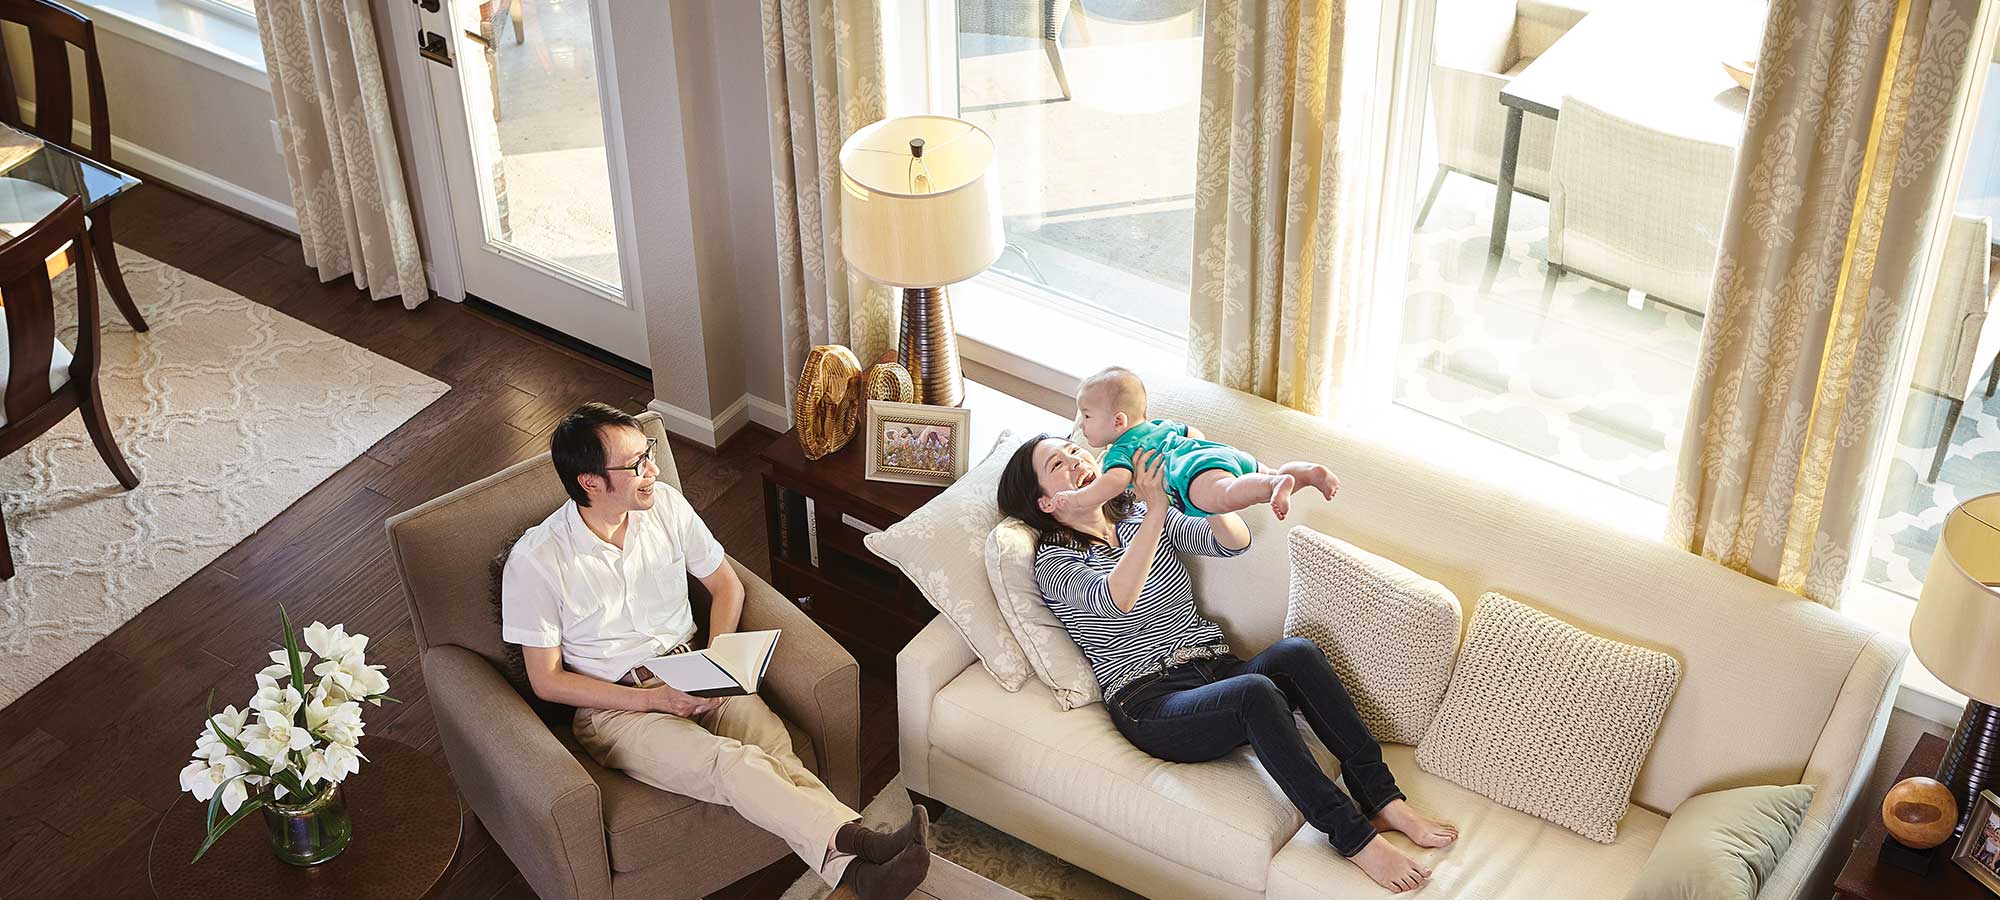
[(744, 655), (692, 672)]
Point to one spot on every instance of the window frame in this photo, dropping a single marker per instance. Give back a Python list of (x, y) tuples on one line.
[(147, 22)]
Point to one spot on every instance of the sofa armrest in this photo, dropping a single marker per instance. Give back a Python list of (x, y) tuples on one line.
[(813, 683), (530, 793), (923, 667), (1840, 766)]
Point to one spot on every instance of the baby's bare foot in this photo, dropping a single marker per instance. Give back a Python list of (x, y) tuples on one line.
[(1322, 478), (1422, 830), (1389, 867), (1281, 496)]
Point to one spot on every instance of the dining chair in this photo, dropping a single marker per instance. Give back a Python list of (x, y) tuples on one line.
[(43, 380), (52, 29)]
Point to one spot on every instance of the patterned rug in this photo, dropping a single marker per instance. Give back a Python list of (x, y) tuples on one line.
[(227, 410), (983, 850), (1913, 511)]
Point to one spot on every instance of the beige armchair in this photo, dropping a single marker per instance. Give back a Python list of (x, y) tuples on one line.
[(1479, 47), (1960, 341), (576, 830)]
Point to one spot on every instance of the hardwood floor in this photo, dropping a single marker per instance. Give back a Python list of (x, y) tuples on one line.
[(89, 758)]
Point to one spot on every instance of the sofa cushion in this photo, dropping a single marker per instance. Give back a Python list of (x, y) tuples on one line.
[(1010, 567), (1500, 854), (1390, 633), (1224, 817), (1548, 718), (940, 548), (1723, 845), (643, 824)]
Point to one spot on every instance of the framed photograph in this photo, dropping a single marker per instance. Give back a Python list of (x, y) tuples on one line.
[(1979, 850), (917, 444)]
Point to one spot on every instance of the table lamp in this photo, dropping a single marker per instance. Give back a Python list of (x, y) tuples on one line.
[(921, 211), (1956, 635)]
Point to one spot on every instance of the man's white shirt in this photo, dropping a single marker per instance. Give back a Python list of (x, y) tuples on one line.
[(608, 609)]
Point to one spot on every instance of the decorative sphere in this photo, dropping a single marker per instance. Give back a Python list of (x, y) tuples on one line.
[(1920, 812)]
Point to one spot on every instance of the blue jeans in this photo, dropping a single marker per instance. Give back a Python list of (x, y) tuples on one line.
[(1201, 710)]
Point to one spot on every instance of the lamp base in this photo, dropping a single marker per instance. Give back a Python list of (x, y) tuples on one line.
[(1909, 859), (1972, 762), (928, 347)]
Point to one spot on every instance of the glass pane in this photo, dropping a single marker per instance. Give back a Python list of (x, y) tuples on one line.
[(538, 133), (1588, 363), (1098, 188)]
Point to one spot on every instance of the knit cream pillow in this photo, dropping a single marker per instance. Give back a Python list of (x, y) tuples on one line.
[(1390, 633), (1010, 566), (1549, 719), (941, 549)]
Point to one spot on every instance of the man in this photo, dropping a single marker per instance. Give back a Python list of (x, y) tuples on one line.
[(599, 587)]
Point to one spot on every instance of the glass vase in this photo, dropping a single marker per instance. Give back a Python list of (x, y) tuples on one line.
[(312, 832)]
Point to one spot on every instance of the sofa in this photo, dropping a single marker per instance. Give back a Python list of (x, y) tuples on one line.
[(575, 829), (1774, 690)]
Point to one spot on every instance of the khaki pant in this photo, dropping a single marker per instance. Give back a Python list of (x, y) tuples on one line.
[(737, 755)]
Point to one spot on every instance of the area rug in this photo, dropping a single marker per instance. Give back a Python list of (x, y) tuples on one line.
[(983, 850), (227, 410)]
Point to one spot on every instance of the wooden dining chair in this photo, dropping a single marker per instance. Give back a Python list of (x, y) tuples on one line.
[(52, 30), (44, 380)]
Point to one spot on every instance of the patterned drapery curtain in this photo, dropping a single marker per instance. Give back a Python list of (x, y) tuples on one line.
[(1274, 309), (824, 80), (1838, 191), (340, 145)]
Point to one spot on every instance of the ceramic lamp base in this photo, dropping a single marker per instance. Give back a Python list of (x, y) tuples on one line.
[(928, 347), (1972, 762)]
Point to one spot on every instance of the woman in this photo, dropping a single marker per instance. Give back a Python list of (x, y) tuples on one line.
[(1170, 682)]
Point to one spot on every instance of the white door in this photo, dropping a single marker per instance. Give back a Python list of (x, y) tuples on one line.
[(534, 162)]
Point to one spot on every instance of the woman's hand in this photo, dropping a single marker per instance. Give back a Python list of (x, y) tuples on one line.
[(1149, 480)]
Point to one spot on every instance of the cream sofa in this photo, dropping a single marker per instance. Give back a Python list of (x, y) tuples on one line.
[(1776, 690)]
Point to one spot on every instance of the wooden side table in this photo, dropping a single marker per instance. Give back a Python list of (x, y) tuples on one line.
[(1865, 877), (406, 829), (819, 561)]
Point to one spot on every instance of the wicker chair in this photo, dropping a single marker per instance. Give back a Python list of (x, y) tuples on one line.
[(1042, 19), (1960, 340)]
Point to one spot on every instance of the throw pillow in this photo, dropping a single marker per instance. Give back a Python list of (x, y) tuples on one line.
[(1010, 567), (941, 549), (1390, 633), (1549, 719), (1722, 845)]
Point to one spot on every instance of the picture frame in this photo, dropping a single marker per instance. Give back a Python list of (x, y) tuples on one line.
[(914, 443), (1978, 851)]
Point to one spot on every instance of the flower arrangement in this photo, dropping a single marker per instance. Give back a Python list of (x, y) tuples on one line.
[(297, 740)]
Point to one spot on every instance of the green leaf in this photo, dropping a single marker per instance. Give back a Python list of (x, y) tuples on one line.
[(215, 799), (298, 668), (216, 832), (255, 762)]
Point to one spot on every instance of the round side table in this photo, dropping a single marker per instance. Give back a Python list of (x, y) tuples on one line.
[(406, 829)]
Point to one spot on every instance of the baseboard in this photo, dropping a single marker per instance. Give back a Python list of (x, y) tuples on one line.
[(162, 167), (714, 431)]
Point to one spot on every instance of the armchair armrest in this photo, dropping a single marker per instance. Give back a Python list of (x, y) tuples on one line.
[(924, 666), (535, 799), (1840, 765), (813, 683)]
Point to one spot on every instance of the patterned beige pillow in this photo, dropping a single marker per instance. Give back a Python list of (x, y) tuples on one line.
[(1549, 719), (1010, 567), (1390, 633), (941, 549)]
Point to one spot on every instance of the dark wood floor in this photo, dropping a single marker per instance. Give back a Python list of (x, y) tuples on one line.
[(89, 758)]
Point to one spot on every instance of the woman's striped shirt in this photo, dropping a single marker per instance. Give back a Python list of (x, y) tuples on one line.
[(1163, 628)]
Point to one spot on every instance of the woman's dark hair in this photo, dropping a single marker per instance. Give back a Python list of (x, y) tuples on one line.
[(1021, 488), (577, 446)]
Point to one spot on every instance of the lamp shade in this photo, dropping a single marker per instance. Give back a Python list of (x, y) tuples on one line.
[(1956, 629), (923, 218)]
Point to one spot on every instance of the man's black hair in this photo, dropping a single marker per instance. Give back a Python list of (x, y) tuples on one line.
[(577, 446)]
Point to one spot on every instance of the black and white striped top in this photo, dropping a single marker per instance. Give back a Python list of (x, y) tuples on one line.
[(1163, 628)]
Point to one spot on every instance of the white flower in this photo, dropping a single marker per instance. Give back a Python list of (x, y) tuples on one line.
[(352, 677), (282, 702), (342, 724), (202, 777), (209, 746), (273, 736), (335, 643), (334, 763), (280, 668)]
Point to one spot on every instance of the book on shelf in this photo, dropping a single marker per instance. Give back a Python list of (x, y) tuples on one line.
[(731, 665), (812, 533)]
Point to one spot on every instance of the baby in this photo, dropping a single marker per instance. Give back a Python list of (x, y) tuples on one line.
[(1203, 478)]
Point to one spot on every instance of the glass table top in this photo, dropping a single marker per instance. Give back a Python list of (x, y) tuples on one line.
[(37, 176)]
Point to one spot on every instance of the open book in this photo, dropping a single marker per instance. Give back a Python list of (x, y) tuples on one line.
[(732, 664)]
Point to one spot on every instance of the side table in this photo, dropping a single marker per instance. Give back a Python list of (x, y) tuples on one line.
[(1865, 877), (406, 830)]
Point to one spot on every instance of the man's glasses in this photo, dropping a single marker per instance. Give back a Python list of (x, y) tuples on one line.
[(645, 459)]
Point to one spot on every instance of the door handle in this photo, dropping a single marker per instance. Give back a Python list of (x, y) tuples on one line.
[(432, 46), (429, 6)]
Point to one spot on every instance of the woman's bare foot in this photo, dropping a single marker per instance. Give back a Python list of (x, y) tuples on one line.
[(1281, 496), (1422, 830), (1389, 867)]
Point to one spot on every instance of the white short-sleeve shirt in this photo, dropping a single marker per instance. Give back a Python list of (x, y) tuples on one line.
[(608, 609)]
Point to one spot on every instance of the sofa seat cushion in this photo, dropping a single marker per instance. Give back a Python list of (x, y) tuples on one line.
[(1224, 817), (1501, 854), (643, 825)]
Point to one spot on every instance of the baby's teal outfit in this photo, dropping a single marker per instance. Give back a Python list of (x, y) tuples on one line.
[(1185, 458)]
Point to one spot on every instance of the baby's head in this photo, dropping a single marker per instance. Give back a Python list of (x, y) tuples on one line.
[(1108, 403)]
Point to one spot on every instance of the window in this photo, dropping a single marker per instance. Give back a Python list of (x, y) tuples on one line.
[(1093, 111), (234, 6)]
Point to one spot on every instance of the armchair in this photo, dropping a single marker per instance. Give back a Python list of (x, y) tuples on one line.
[(1960, 341), (1487, 43), (576, 830)]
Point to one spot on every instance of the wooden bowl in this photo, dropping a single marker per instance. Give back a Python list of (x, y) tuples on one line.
[(1742, 72), (1920, 812)]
